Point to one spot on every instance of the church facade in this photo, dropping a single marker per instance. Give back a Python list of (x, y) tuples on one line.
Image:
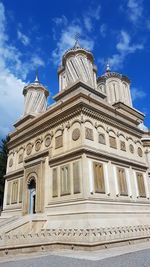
[(79, 169)]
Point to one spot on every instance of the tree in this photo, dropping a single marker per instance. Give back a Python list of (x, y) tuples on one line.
[(3, 163)]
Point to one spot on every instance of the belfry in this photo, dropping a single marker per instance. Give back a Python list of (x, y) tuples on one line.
[(78, 170)]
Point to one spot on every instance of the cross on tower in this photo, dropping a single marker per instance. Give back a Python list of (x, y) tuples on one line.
[(76, 37)]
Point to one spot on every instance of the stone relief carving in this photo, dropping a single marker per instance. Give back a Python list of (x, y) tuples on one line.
[(11, 162), (131, 148), (58, 141), (112, 141), (20, 158), (140, 152), (123, 145), (29, 149), (101, 138), (37, 145), (89, 133), (76, 134)]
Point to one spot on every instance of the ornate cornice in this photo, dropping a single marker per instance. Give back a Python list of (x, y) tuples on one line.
[(104, 155), (15, 174), (64, 111)]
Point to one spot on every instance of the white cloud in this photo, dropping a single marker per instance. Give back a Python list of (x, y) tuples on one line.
[(134, 10), (124, 45), (103, 29), (124, 48), (11, 99), (23, 38), (137, 94), (60, 21), (89, 16), (69, 29), (67, 41), (88, 23), (37, 61)]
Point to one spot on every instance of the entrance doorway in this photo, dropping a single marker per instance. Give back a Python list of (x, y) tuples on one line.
[(32, 196)]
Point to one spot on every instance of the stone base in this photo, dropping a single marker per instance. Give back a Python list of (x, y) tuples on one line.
[(85, 239)]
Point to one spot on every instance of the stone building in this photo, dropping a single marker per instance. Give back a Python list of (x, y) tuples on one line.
[(78, 170)]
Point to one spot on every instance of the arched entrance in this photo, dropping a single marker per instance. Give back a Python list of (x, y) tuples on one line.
[(32, 195)]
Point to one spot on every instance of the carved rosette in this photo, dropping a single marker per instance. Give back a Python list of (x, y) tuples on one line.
[(47, 141), (76, 134), (38, 145)]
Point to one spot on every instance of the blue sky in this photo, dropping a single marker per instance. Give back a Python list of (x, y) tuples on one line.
[(36, 34)]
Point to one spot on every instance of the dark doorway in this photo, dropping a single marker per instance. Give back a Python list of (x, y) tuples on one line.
[(32, 196)]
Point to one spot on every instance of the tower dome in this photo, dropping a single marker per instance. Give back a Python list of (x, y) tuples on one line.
[(116, 86), (35, 97), (77, 65)]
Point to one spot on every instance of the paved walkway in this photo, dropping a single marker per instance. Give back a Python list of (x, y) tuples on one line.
[(133, 255)]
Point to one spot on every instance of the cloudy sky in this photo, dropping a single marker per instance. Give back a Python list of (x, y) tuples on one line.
[(36, 34)]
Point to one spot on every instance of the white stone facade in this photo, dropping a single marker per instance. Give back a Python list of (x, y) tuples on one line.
[(81, 164)]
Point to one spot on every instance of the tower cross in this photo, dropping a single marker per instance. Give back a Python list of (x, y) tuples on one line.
[(76, 38)]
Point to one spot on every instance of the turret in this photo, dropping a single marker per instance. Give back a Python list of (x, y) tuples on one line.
[(35, 98), (116, 86), (77, 65)]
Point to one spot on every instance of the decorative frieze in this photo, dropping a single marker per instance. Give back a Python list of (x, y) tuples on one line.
[(87, 236)]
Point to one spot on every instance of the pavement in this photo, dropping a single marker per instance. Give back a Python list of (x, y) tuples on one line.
[(137, 255)]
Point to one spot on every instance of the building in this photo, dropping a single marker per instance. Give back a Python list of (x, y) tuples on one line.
[(78, 170)]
